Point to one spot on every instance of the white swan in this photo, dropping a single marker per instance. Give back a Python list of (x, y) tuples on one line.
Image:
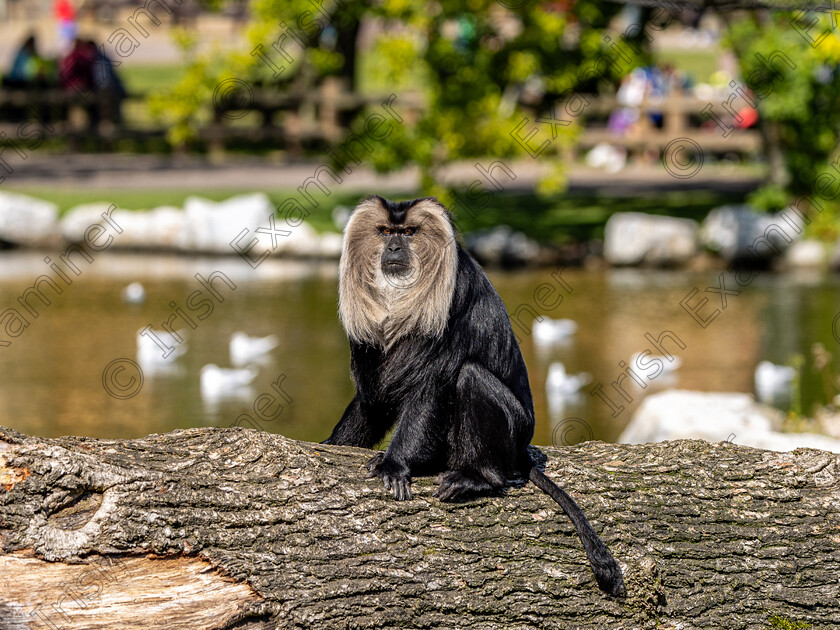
[(219, 382), (245, 349), (158, 350), (552, 331), (563, 389), (134, 293), (668, 367), (562, 384), (773, 382)]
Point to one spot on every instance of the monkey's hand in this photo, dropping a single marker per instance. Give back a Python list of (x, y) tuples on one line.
[(395, 477)]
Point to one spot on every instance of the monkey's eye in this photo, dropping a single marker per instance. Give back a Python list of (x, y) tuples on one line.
[(385, 230), (409, 231)]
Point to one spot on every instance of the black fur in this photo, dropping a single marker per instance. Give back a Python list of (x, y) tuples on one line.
[(462, 408)]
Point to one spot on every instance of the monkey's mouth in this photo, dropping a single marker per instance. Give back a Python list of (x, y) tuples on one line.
[(396, 268)]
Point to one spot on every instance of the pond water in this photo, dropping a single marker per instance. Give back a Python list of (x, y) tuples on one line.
[(53, 371)]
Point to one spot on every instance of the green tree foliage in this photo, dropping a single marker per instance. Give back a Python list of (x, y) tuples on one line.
[(488, 69), (482, 69), (798, 102)]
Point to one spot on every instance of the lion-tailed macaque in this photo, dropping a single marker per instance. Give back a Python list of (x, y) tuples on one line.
[(433, 352)]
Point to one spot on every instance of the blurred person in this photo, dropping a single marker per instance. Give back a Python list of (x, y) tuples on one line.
[(23, 70), (65, 17), (76, 74), (657, 90), (631, 94), (76, 68), (109, 86), (675, 81), (26, 67), (88, 71), (28, 71)]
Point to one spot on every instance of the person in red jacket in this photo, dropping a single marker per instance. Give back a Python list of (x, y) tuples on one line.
[(76, 69), (65, 17), (89, 72)]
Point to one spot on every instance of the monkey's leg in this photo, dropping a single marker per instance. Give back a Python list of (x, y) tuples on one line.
[(416, 446), (483, 438), (360, 425)]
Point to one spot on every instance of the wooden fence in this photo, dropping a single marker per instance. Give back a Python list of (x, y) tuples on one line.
[(297, 120)]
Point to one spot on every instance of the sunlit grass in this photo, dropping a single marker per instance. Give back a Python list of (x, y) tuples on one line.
[(699, 64), (145, 79)]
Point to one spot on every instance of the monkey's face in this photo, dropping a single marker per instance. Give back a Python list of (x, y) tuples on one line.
[(397, 261)]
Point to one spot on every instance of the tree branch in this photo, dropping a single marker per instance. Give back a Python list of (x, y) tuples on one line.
[(233, 528)]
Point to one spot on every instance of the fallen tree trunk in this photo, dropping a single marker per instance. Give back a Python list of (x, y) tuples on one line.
[(233, 528)]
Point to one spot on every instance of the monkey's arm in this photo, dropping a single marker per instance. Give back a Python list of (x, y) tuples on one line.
[(358, 427), (416, 446)]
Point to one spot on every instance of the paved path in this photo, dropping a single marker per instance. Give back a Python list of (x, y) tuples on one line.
[(215, 32), (109, 172)]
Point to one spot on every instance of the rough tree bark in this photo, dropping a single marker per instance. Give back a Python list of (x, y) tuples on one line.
[(233, 528)]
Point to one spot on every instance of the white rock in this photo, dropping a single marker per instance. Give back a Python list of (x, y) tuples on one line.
[(716, 417), (330, 245), (76, 222), (340, 216), (678, 414), (632, 238), (806, 255), (135, 229), (168, 228), (27, 221), (302, 240), (777, 441), (162, 228), (501, 245), (211, 226), (739, 232)]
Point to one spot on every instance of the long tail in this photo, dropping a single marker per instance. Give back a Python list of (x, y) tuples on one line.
[(606, 569)]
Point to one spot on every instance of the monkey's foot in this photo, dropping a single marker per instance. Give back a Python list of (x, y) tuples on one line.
[(393, 476), (374, 463), (457, 485)]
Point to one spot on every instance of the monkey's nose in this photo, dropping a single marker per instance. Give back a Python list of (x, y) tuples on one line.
[(394, 248)]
